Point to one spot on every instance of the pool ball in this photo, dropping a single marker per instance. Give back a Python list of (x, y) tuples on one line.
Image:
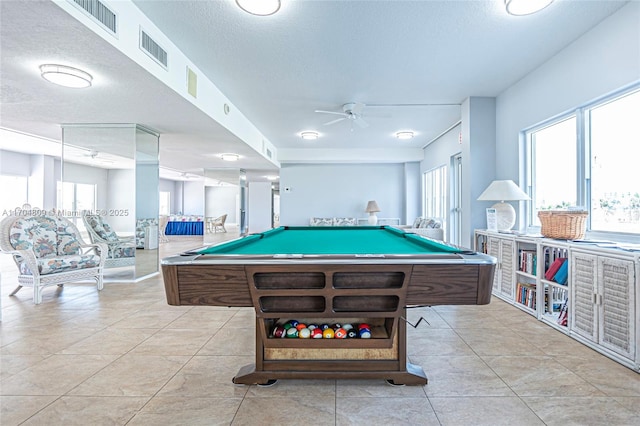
[(364, 325), (287, 325), (316, 333), (312, 326), (301, 326), (292, 332), (336, 326), (328, 333), (341, 333), (304, 333), (352, 334), (293, 323), (364, 334), (347, 327), (324, 327), (279, 331)]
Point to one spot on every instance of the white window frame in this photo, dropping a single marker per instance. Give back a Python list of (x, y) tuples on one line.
[(583, 166)]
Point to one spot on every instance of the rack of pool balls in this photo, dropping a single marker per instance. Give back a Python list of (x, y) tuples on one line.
[(296, 329)]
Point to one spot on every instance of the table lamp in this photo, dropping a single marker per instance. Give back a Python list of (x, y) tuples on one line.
[(504, 190), (372, 209)]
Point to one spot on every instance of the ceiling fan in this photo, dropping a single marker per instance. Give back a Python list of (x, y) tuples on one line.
[(351, 111)]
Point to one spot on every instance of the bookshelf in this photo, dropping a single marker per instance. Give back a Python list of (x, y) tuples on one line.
[(588, 292)]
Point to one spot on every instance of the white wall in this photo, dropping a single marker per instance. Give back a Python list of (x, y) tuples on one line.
[(121, 198), (147, 192), (79, 173), (412, 193), (601, 61), (14, 163), (340, 190), (193, 198), (221, 200), (259, 207)]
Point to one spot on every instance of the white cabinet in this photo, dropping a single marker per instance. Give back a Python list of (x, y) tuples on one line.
[(603, 308), (596, 299), (502, 249)]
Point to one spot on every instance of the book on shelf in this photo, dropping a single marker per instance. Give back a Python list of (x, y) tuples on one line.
[(563, 274), (564, 314), (553, 268), (526, 294), (528, 261)]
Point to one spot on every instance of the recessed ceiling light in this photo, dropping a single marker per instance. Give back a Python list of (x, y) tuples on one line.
[(230, 157), (308, 135), (259, 7), (272, 177), (65, 76), (525, 7), (404, 135)]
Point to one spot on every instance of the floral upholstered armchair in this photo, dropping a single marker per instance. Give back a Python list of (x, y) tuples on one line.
[(48, 250), (122, 250)]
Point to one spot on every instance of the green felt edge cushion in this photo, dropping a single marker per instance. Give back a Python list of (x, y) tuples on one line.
[(394, 230), (431, 244), (225, 247)]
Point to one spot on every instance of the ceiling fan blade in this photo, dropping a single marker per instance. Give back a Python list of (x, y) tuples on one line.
[(334, 121), (331, 112), (361, 123)]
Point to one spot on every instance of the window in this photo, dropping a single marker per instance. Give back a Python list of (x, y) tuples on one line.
[(614, 130), (588, 158), (73, 198), (14, 192), (165, 203), (435, 193)]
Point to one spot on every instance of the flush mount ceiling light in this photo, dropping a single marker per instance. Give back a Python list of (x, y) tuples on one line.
[(525, 7), (230, 157), (65, 76), (309, 135), (404, 135), (259, 7)]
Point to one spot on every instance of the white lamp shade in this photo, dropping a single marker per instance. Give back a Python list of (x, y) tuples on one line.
[(372, 207), (503, 190)]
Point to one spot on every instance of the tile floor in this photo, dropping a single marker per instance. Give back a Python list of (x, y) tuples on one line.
[(123, 356)]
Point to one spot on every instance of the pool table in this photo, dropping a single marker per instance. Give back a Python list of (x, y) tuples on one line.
[(330, 275)]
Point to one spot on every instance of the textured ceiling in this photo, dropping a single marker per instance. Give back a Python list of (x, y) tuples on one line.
[(278, 70)]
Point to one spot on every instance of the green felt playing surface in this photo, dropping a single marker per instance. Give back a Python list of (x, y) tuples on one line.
[(360, 240)]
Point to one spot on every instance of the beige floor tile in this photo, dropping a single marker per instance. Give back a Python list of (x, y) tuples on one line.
[(430, 319), (376, 388), (300, 388), (461, 376), (384, 411), (132, 375), (243, 318), (497, 341), (82, 411), (607, 375), (283, 411), (208, 318), (55, 375), (231, 341), (149, 319), (484, 410), (174, 342), (582, 411), (110, 341), (16, 409), (13, 364), (437, 341), (540, 376), (46, 341), (208, 376), (631, 403), (191, 411)]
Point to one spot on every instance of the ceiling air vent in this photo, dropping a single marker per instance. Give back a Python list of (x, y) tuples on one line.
[(153, 49), (98, 11)]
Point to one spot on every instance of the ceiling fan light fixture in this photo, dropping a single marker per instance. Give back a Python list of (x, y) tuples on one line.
[(63, 75), (525, 7), (404, 135), (259, 7), (309, 135), (230, 157)]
